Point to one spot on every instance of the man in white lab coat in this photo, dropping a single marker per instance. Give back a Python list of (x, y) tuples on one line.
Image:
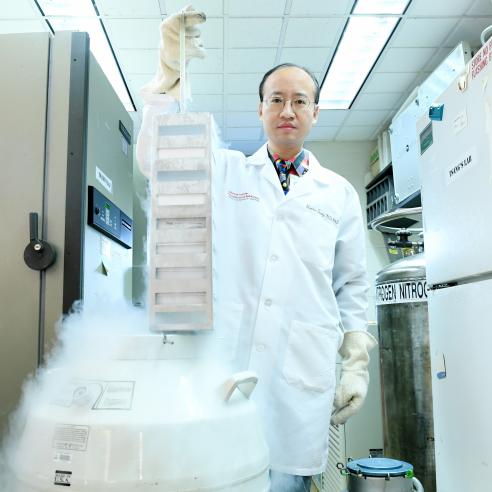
[(289, 267), (290, 279)]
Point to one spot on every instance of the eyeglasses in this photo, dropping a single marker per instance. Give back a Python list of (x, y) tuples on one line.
[(299, 103)]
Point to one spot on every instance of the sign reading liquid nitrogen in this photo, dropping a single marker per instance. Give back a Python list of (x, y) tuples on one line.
[(401, 292)]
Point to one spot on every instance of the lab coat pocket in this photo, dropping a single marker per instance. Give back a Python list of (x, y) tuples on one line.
[(227, 323), (310, 356), (316, 245)]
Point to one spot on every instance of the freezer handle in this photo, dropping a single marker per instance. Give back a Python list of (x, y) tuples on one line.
[(38, 254)]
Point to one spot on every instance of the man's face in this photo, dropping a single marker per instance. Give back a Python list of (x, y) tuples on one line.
[(285, 126)]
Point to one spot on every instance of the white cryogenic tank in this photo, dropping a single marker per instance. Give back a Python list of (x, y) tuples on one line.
[(157, 417), (155, 412)]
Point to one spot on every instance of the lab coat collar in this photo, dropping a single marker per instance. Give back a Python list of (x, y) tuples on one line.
[(316, 170)]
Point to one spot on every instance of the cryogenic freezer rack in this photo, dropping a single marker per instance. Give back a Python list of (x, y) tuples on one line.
[(180, 275)]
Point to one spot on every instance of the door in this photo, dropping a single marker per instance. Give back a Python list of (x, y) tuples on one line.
[(24, 62), (456, 170), (460, 341)]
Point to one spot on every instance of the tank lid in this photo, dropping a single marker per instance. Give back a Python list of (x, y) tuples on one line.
[(409, 267), (380, 467)]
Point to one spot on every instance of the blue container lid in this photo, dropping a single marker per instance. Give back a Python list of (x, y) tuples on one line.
[(379, 467)]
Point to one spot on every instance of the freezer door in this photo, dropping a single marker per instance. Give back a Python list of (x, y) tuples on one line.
[(24, 62), (460, 342), (456, 170)]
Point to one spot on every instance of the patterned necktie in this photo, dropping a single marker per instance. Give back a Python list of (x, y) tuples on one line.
[(283, 168)]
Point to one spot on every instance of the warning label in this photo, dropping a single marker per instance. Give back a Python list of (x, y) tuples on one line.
[(401, 292), (481, 59), (71, 437)]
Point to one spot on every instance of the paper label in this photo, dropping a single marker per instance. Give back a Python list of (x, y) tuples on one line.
[(461, 165), (104, 180), (71, 437), (401, 292)]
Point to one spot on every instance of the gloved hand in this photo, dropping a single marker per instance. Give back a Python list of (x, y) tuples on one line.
[(167, 76), (354, 380)]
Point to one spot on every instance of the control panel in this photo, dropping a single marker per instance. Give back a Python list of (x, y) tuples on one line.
[(107, 218)]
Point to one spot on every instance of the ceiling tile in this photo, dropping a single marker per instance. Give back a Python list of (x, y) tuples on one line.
[(377, 101), (320, 8), (243, 102), (438, 7), (242, 83), (322, 133), (212, 8), (422, 33), (20, 9), (404, 59), (212, 63), (14, 26), (208, 103), (313, 32), (389, 82), (331, 117), (480, 7), (356, 133), (117, 8), (257, 8), (138, 61), (469, 30), (313, 58), (243, 133), (212, 33), (253, 33), (363, 117), (207, 83), (133, 33), (250, 60), (243, 118)]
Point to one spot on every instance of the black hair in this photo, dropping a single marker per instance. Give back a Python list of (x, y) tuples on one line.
[(284, 65)]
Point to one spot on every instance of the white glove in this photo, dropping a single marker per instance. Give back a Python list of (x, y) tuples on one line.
[(167, 76), (354, 380)]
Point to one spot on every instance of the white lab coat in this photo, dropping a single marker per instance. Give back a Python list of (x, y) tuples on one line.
[(289, 278)]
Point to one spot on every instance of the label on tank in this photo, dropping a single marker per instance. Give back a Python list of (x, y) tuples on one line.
[(401, 292), (71, 437), (117, 395), (63, 478)]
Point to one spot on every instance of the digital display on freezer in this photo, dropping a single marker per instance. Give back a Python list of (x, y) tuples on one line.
[(108, 219)]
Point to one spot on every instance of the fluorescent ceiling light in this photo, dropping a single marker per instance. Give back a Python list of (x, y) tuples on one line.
[(396, 7), (80, 15), (362, 42)]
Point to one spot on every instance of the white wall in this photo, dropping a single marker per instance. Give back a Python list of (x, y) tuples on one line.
[(351, 160)]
